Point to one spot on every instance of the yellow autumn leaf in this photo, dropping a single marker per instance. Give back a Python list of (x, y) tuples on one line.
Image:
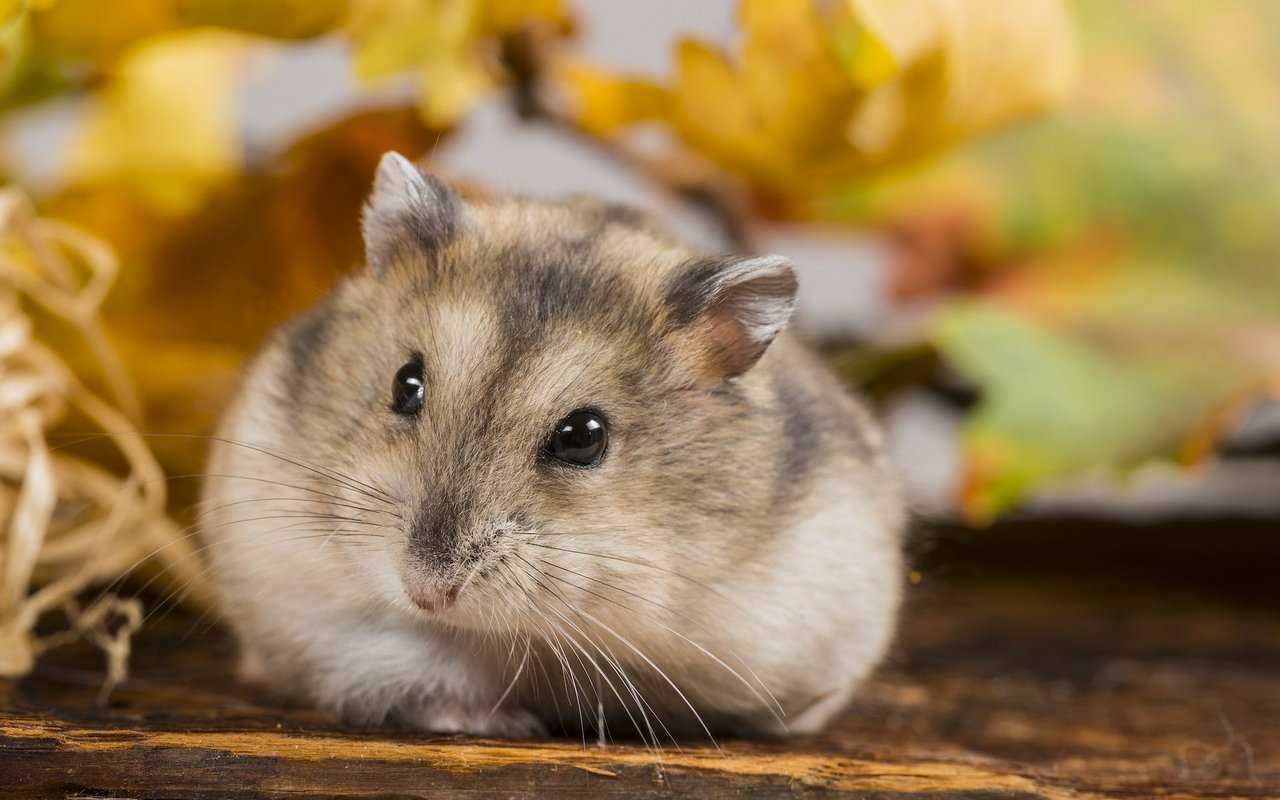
[(448, 46), (281, 19), (14, 34), (99, 32), (798, 93), (822, 93), (984, 63), (165, 124), (503, 17), (604, 103), (710, 109)]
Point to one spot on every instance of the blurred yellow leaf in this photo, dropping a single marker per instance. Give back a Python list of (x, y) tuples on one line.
[(504, 17), (450, 48), (281, 19), (447, 45), (819, 94), (13, 40), (165, 125), (989, 62), (605, 103), (100, 32)]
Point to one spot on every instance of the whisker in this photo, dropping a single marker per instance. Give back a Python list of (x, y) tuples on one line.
[(641, 704), (351, 506), (514, 678), (629, 645), (647, 564), (568, 673), (772, 701), (265, 542), (527, 619), (628, 684), (351, 483)]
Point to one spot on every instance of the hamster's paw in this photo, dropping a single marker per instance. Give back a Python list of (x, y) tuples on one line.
[(456, 718)]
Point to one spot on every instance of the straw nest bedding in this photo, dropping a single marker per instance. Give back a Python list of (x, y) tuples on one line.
[(71, 523)]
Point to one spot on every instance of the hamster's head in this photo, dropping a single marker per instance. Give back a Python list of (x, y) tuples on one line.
[(525, 403)]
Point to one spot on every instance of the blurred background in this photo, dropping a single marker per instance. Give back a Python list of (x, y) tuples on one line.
[(1041, 235)]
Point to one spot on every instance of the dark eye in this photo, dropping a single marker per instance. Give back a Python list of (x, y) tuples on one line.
[(578, 439), (408, 389)]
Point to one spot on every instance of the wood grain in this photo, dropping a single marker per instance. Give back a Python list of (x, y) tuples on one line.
[(1033, 686)]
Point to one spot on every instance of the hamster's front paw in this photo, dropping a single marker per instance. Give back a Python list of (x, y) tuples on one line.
[(456, 718)]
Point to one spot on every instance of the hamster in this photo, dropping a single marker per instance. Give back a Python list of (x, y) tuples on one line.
[(538, 467)]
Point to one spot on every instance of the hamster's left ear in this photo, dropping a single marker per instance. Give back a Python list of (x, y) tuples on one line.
[(731, 308), (408, 211)]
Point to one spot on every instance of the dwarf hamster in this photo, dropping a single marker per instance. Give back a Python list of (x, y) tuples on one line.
[(540, 467)]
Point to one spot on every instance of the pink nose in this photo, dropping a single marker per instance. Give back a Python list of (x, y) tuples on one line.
[(431, 595)]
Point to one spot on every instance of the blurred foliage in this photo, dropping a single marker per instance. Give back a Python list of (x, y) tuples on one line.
[(1107, 278), (164, 122), (1103, 278), (447, 46), (819, 94), (439, 42)]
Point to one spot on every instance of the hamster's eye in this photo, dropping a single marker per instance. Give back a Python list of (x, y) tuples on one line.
[(579, 439), (408, 389)]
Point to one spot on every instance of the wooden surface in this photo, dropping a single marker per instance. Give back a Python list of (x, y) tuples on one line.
[(1023, 680)]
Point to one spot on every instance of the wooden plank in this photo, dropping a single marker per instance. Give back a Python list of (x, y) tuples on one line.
[(207, 762), (997, 689)]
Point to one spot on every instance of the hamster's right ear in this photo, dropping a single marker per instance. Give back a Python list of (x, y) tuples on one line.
[(729, 309), (408, 211)]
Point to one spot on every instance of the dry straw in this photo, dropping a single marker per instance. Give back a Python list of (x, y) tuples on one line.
[(69, 523)]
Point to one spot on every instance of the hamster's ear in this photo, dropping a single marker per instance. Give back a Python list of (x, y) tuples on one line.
[(731, 308), (407, 210)]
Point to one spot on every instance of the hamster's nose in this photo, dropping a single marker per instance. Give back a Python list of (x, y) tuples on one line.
[(431, 595)]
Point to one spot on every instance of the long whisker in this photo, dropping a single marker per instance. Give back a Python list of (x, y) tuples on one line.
[(556, 634), (178, 595), (266, 542), (514, 678), (643, 707), (351, 483), (638, 563), (336, 504), (526, 617), (295, 486), (263, 542), (661, 673), (613, 662), (770, 703), (571, 678)]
